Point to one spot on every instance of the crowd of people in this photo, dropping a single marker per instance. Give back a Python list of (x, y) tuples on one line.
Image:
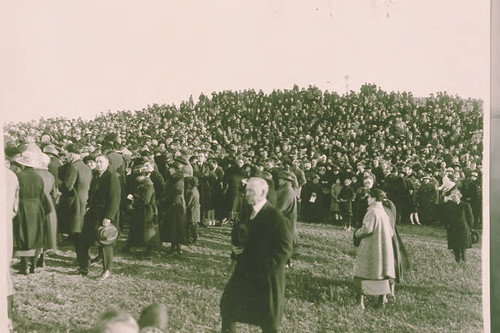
[(164, 171)]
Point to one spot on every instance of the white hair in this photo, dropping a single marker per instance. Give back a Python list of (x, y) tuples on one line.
[(260, 183)]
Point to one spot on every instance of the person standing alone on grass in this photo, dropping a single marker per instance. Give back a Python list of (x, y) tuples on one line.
[(374, 266), (255, 292), (103, 209), (458, 220)]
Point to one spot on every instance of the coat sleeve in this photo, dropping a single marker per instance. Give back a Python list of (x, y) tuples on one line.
[(114, 197), (368, 225), (282, 249), (70, 178), (142, 196), (468, 215)]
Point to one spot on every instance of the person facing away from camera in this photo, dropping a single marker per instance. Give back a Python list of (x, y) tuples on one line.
[(255, 292), (374, 266)]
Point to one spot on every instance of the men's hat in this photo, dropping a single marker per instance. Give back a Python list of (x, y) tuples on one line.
[(29, 159), (108, 235), (287, 175), (181, 159), (12, 152), (72, 148), (50, 150), (266, 175)]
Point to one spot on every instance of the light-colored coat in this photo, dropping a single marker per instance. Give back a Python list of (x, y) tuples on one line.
[(375, 259)]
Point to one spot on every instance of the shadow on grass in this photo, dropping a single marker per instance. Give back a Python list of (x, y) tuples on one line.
[(316, 289)]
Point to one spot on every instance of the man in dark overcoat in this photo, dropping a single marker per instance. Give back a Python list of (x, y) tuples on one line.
[(286, 202), (103, 208), (74, 188), (458, 220), (255, 292)]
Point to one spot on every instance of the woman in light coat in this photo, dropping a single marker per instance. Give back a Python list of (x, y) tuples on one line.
[(374, 267)]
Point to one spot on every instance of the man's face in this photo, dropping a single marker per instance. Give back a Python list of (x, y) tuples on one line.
[(101, 163), (368, 183), (254, 193)]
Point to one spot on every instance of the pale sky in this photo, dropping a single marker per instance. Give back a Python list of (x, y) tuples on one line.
[(68, 58)]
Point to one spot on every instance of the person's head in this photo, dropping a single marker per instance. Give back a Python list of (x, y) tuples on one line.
[(101, 163), (72, 152), (375, 195), (347, 181), (256, 190), (154, 316), (89, 160), (368, 182), (114, 321)]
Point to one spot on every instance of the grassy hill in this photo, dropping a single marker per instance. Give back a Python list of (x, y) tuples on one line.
[(437, 295)]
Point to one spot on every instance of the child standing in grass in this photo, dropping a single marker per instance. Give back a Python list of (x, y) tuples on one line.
[(345, 198), (192, 197)]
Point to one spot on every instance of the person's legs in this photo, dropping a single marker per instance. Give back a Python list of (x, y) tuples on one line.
[(269, 329), (82, 255), (457, 254), (41, 260), (107, 257), (24, 266), (75, 237), (33, 264), (462, 254)]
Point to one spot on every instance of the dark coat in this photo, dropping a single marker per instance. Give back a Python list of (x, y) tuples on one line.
[(458, 221), (28, 225), (346, 197), (144, 227), (103, 202), (74, 189), (173, 224), (54, 166), (192, 198), (51, 218), (255, 292), (286, 203)]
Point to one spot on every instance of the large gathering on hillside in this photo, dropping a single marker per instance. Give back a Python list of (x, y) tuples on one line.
[(159, 174)]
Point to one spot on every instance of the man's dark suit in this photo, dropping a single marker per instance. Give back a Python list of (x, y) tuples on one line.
[(255, 292), (104, 202)]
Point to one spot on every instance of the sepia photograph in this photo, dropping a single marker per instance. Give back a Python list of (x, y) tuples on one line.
[(264, 166)]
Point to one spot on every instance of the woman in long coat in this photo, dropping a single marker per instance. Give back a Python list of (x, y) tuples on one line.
[(458, 220), (145, 211), (173, 227), (29, 222), (50, 190), (374, 267)]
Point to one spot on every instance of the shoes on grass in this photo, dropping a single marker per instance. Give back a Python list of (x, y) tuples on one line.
[(106, 274)]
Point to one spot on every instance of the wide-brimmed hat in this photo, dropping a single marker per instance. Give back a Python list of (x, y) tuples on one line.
[(107, 235), (51, 150), (29, 159)]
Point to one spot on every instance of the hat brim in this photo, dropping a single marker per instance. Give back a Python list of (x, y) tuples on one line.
[(108, 241)]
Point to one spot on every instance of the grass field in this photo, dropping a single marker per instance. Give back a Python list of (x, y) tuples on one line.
[(437, 295)]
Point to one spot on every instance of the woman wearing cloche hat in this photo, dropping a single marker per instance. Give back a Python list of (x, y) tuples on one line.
[(29, 222)]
